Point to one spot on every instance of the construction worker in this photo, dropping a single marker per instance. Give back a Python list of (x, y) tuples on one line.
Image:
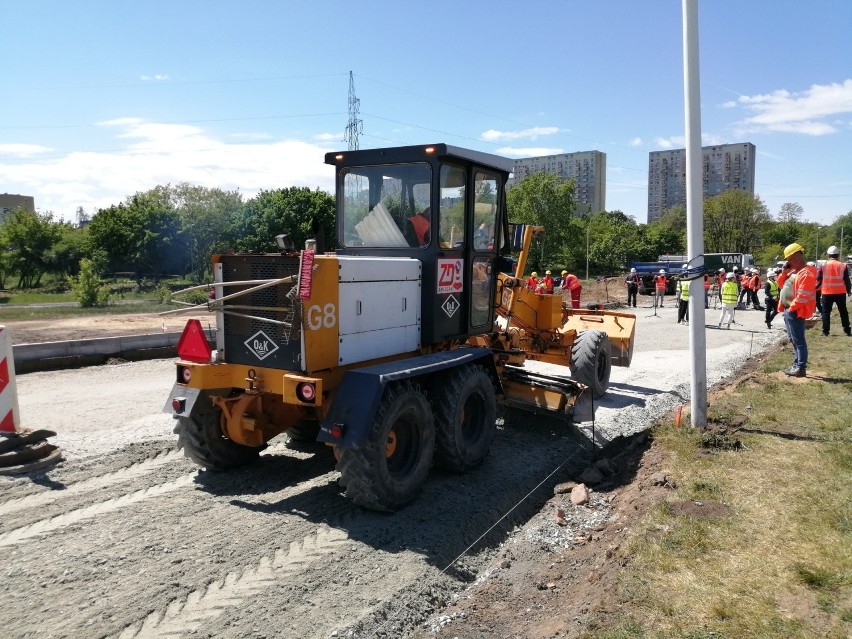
[(818, 288), (660, 283), (729, 299), (706, 290), (632, 283), (834, 279), (755, 287), (800, 308), (745, 290), (572, 283), (532, 281), (682, 296), (772, 290), (548, 283), (720, 279)]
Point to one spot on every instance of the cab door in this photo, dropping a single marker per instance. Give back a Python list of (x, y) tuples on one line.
[(487, 198)]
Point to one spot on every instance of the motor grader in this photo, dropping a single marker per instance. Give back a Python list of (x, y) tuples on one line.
[(396, 348)]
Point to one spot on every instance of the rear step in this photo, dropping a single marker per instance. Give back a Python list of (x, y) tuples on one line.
[(540, 393)]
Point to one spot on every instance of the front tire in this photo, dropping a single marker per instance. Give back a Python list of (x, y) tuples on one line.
[(200, 436), (465, 418), (591, 361), (390, 468)]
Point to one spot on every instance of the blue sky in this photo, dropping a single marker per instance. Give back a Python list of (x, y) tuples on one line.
[(101, 99)]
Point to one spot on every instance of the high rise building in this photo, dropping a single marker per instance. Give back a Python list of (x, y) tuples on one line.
[(725, 167), (587, 168), (10, 202)]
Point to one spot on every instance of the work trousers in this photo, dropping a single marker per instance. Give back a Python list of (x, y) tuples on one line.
[(728, 310), (796, 333), (632, 289), (682, 310), (755, 303), (660, 295), (771, 309), (706, 298), (827, 302), (744, 297), (575, 296)]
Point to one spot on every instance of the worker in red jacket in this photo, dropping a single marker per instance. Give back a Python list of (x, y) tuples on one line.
[(575, 288), (660, 283)]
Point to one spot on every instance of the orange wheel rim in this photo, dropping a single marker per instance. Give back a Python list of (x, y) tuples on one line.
[(390, 447)]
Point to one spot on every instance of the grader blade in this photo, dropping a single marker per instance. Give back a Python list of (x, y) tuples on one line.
[(555, 395)]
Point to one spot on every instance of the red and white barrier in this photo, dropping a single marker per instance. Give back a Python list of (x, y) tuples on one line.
[(9, 415)]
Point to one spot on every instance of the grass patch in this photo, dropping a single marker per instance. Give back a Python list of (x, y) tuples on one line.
[(780, 566), (58, 312)]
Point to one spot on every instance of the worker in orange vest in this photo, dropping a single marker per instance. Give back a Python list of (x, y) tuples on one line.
[(801, 307), (706, 290), (660, 283), (834, 278), (720, 279), (755, 287)]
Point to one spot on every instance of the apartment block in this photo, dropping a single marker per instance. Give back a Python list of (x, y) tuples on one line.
[(586, 168), (725, 167), (9, 202)]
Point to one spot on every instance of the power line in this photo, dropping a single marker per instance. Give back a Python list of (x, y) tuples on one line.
[(355, 125)]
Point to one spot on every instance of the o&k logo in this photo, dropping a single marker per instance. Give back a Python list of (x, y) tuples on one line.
[(261, 345)]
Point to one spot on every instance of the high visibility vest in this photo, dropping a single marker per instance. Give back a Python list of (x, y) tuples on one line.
[(755, 283), (729, 292), (572, 282), (804, 292), (774, 289), (832, 278), (683, 289), (706, 282), (720, 280), (660, 282), (548, 285), (532, 282)]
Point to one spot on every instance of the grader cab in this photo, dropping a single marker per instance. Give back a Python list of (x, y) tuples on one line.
[(396, 348)]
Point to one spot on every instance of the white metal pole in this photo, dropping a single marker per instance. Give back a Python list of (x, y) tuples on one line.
[(694, 214), (588, 230)]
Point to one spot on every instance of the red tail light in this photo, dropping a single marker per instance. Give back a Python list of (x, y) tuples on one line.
[(336, 431), (306, 392)]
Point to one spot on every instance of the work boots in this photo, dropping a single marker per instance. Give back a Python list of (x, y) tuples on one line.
[(795, 371)]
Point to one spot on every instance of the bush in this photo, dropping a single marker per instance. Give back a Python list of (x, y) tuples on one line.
[(88, 287)]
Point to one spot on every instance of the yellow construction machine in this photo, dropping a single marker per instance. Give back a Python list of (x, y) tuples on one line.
[(396, 348)]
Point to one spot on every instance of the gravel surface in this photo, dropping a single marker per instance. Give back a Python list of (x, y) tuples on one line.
[(129, 539)]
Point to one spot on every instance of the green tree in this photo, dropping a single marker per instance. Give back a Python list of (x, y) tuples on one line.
[(88, 287), (294, 211), (675, 219), (546, 200), (73, 245), (734, 222), (30, 237), (613, 241), (140, 235)]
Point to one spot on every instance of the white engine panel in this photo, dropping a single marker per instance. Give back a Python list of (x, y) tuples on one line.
[(379, 307)]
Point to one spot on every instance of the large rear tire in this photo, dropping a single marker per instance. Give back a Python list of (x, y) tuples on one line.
[(465, 406), (200, 436), (591, 362), (390, 468)]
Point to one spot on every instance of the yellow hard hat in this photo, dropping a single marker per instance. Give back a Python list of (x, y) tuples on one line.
[(534, 274), (793, 248), (564, 272), (547, 272)]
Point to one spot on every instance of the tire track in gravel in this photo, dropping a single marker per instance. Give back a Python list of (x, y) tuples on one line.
[(89, 485), (39, 528), (186, 616)]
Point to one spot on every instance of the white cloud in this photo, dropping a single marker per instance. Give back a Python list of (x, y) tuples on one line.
[(528, 152), (329, 137), (805, 112), (492, 135), (730, 104), (23, 150), (157, 77), (155, 153), (636, 142)]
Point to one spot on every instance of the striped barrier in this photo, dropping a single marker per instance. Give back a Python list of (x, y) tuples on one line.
[(9, 415)]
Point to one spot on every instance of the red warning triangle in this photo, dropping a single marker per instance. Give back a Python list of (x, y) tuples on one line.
[(193, 345)]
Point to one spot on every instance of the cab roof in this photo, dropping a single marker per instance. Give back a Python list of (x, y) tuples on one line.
[(418, 153)]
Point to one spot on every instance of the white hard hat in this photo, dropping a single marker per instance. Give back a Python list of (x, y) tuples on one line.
[(736, 269), (770, 273), (633, 270), (832, 250), (754, 270), (662, 271), (729, 276), (721, 270), (811, 263)]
